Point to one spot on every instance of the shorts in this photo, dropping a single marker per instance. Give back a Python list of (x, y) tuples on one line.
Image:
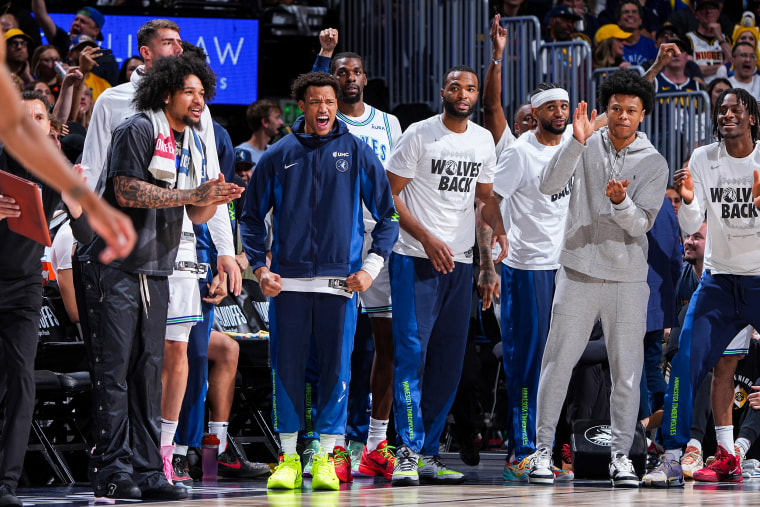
[(739, 345), (184, 303), (376, 301)]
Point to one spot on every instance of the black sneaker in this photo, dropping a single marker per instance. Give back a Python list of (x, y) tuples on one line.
[(164, 491), (194, 464), (119, 489), (8, 496), (232, 466), (180, 471)]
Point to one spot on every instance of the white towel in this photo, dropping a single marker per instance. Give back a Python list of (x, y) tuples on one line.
[(163, 165)]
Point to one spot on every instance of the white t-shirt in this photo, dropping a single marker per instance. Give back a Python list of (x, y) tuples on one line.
[(706, 52), (537, 220), (505, 141), (723, 188), (61, 250), (444, 168), (753, 88)]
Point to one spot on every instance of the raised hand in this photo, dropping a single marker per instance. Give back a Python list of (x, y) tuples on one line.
[(498, 37), (616, 190), (583, 128), (684, 184), (328, 39)]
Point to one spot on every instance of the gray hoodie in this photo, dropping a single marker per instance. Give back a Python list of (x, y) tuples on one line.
[(604, 240)]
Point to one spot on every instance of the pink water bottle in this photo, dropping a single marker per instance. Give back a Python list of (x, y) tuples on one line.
[(209, 453)]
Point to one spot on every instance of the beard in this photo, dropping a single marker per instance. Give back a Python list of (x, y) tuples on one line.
[(547, 126), (351, 99), (191, 122), (451, 109)]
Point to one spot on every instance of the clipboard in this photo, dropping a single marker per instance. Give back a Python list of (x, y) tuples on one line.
[(32, 222)]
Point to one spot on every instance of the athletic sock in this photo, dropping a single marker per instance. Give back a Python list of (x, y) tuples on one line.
[(168, 429), (289, 442), (180, 450), (327, 443), (695, 443), (340, 441), (725, 437), (220, 430), (377, 433), (743, 444), (675, 454)]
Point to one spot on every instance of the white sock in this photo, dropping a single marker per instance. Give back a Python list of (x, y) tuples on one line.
[(289, 442), (695, 443), (327, 443), (743, 444), (675, 454), (168, 429), (340, 441), (220, 430), (725, 437), (180, 450), (378, 430)]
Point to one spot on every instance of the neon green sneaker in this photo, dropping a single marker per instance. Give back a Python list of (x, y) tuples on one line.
[(323, 473), (433, 470), (309, 451), (287, 475)]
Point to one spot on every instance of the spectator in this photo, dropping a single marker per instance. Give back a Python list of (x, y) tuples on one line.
[(84, 111), (44, 59), (610, 47), (668, 32), (588, 24), (685, 19), (524, 120), (639, 48), (745, 75), (44, 89), (17, 57), (264, 118), (710, 45), (673, 76), (561, 27), (88, 21), (128, 67), (714, 89), (84, 53), (675, 200)]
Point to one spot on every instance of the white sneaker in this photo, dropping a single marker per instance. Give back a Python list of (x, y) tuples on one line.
[(691, 461), (540, 471), (751, 469), (622, 474)]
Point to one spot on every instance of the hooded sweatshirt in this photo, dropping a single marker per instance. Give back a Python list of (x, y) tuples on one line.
[(605, 240), (315, 186)]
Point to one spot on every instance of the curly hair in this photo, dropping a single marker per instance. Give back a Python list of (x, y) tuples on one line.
[(626, 82), (542, 87), (318, 79), (341, 56), (167, 76), (744, 98)]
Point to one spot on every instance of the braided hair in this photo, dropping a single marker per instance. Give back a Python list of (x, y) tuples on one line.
[(744, 98)]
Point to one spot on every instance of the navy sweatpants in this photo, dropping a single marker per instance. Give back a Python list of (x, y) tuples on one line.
[(431, 315)]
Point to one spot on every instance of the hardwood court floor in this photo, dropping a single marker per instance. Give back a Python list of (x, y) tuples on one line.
[(484, 487)]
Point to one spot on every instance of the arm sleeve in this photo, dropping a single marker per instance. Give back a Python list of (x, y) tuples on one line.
[(321, 64), (258, 202), (561, 167), (636, 214)]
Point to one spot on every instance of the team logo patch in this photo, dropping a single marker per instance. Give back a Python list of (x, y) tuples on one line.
[(341, 165), (599, 435)]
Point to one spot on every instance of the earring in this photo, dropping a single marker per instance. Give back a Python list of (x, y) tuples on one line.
[(166, 101)]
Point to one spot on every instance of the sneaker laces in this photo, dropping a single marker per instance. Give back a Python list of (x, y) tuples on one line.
[(567, 453), (435, 460), (406, 462), (623, 464), (341, 457), (540, 459)]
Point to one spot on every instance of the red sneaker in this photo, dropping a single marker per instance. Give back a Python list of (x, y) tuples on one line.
[(342, 462), (725, 468), (381, 461)]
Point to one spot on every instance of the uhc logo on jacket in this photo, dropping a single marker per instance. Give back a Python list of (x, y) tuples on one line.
[(456, 175)]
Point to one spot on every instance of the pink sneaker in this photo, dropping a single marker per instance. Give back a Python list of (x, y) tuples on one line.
[(167, 452)]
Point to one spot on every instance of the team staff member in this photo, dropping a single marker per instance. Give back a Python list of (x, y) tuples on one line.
[(155, 163), (315, 182), (439, 168)]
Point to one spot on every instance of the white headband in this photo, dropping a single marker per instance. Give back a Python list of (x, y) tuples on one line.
[(541, 98)]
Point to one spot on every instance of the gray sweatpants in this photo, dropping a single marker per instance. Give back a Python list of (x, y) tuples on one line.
[(580, 300)]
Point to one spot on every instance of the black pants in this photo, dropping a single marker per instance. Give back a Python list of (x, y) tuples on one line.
[(124, 336), (20, 302)]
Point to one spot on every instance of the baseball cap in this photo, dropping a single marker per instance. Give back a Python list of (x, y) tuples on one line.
[(611, 31), (15, 32), (93, 14), (80, 41), (667, 27), (243, 157), (683, 44), (698, 4), (563, 10)]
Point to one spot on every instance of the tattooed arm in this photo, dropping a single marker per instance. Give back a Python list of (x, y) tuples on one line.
[(488, 280), (201, 201)]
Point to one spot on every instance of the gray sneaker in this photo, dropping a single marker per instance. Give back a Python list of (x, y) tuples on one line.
[(540, 468), (668, 474), (405, 471), (312, 448), (433, 470), (355, 450), (751, 469), (622, 474)]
